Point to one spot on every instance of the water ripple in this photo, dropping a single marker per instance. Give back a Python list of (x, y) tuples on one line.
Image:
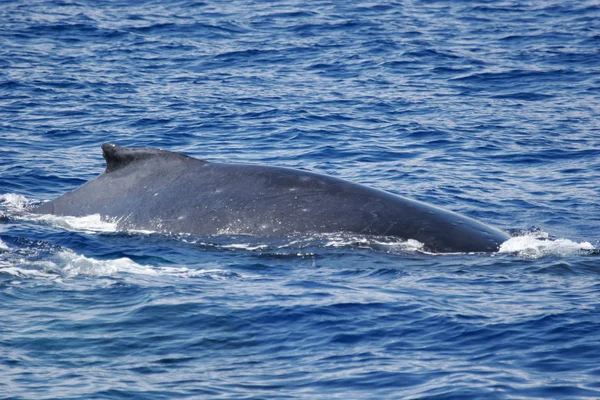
[(488, 109)]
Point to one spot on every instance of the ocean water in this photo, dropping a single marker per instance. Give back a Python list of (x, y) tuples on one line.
[(489, 108)]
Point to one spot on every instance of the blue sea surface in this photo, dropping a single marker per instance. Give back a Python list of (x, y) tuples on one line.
[(490, 109)]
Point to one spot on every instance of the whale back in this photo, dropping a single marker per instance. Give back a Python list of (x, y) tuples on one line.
[(159, 190)]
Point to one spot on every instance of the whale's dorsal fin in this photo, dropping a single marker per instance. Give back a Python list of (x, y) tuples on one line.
[(118, 157)]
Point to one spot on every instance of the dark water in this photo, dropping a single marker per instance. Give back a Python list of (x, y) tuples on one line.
[(490, 109)]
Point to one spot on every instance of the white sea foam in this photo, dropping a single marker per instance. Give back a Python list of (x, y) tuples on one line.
[(14, 202), (539, 245), (245, 246), (89, 223), (368, 242), (533, 245), (23, 272), (336, 241), (16, 205), (69, 264), (3, 246), (65, 263)]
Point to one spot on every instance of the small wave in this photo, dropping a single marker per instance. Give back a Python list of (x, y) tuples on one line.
[(65, 264), (69, 264), (23, 273), (536, 245)]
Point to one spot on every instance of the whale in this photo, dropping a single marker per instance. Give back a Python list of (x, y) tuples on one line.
[(167, 192)]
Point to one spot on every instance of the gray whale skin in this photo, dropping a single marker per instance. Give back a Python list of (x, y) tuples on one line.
[(159, 190)]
